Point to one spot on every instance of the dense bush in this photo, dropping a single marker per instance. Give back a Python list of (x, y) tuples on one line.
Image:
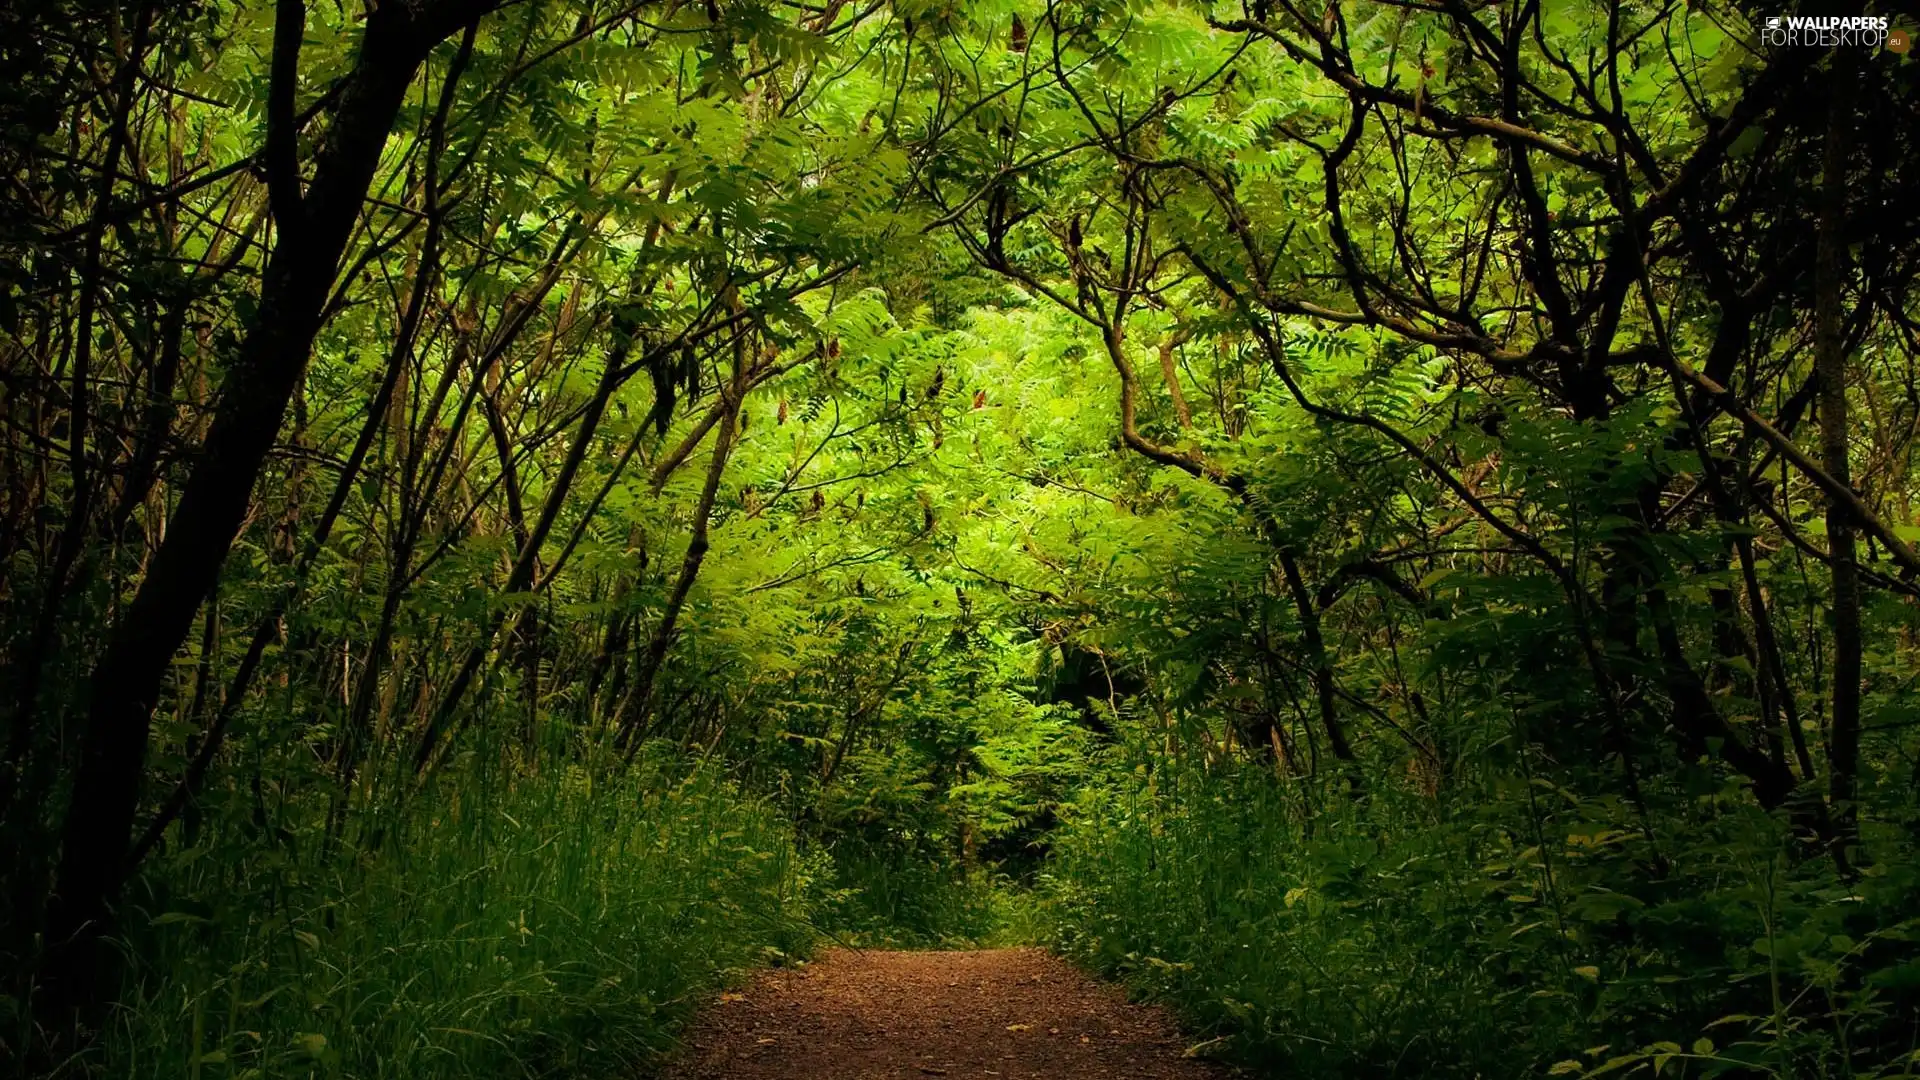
[(1496, 931), (512, 927)]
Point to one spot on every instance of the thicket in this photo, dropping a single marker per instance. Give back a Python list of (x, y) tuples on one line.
[(1389, 525), (523, 929)]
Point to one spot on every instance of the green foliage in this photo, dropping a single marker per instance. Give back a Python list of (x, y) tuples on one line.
[(1459, 938), (511, 926), (1394, 519)]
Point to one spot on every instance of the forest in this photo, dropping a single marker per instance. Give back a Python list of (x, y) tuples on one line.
[(1385, 527)]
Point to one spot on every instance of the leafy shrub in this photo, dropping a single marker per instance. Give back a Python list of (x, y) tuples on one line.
[(508, 929), (1495, 935)]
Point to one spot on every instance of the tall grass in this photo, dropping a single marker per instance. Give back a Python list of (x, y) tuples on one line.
[(1326, 953), (873, 895), (1491, 934), (532, 927)]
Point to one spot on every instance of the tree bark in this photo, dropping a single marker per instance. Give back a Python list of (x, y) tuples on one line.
[(1323, 685), (633, 714), (314, 230), (1830, 365)]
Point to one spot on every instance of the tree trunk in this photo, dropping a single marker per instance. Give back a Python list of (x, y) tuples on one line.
[(1323, 686), (1830, 364), (126, 682), (633, 714)]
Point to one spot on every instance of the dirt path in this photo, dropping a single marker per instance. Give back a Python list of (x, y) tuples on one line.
[(1017, 1013)]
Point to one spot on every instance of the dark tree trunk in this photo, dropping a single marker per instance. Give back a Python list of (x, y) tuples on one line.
[(1830, 364), (633, 714), (1323, 686), (126, 682)]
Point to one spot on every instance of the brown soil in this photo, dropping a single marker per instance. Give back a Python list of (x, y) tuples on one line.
[(864, 1015)]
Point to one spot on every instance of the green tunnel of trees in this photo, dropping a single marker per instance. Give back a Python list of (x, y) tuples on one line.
[(1387, 524)]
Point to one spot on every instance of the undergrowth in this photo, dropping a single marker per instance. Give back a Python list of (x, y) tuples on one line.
[(522, 928), (1400, 936), (885, 898)]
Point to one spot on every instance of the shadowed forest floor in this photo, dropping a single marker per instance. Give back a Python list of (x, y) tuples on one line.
[(866, 1015)]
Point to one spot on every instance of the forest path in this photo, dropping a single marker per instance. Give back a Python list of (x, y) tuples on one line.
[(874, 1015)]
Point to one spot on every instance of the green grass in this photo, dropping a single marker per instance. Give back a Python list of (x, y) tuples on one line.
[(1327, 955), (536, 928), (890, 898), (1466, 936)]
